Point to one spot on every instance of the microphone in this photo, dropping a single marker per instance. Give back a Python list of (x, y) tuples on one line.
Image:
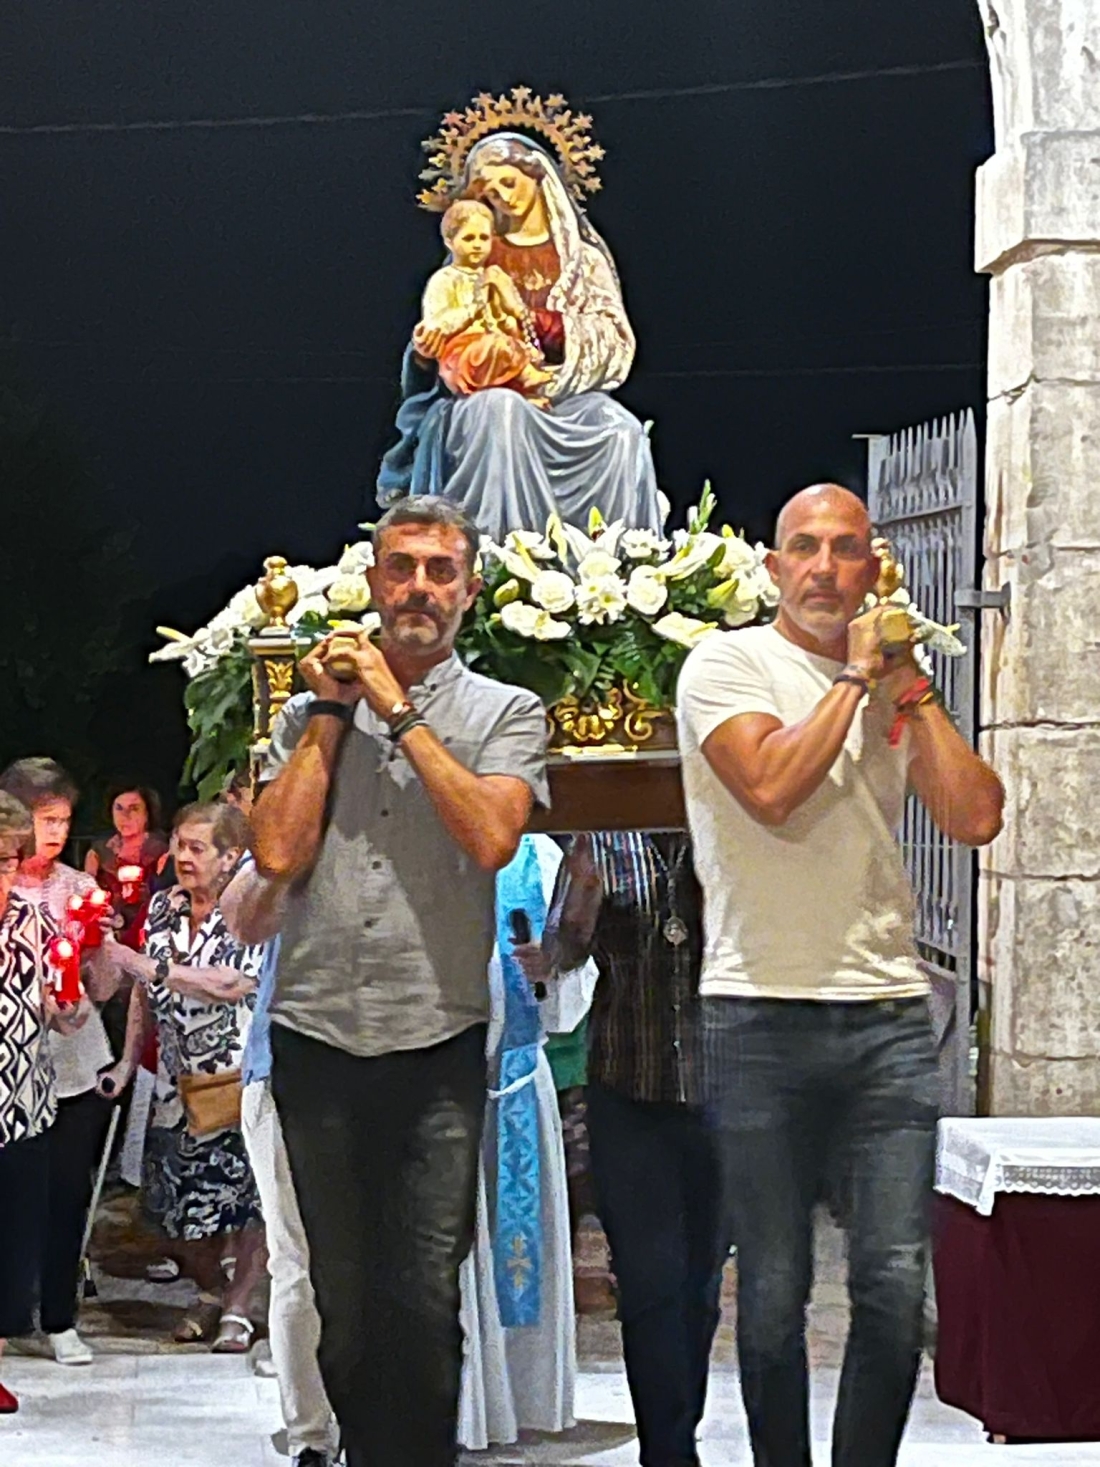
[(520, 924)]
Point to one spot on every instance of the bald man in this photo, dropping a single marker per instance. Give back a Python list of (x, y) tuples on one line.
[(816, 1006)]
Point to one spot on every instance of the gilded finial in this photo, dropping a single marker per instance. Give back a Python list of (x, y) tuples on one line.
[(277, 593)]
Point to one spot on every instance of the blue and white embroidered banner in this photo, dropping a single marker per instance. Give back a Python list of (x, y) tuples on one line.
[(517, 1230)]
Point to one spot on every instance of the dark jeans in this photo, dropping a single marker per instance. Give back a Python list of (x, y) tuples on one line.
[(384, 1154), (24, 1189), (76, 1144), (658, 1188), (816, 1098)]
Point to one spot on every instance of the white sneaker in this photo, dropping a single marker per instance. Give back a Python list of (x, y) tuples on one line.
[(70, 1349)]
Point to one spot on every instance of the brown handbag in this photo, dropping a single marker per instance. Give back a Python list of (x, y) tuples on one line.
[(211, 1102)]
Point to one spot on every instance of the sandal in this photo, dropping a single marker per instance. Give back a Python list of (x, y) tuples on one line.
[(234, 1335), (198, 1324)]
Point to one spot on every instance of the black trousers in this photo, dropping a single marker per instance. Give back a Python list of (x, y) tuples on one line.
[(384, 1154), (75, 1144), (659, 1191), (24, 1191)]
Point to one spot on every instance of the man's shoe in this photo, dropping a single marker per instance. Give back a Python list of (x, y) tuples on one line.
[(311, 1457), (8, 1402), (70, 1349)]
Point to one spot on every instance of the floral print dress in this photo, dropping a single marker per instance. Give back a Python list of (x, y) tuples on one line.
[(196, 1186)]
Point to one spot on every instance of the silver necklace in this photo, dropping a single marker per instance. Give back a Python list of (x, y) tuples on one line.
[(674, 929)]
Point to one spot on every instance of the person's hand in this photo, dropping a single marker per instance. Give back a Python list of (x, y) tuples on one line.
[(900, 671), (222, 985), (865, 653), (320, 681), (376, 681), (67, 1018), (428, 341), (580, 863), (112, 1082), (533, 962)]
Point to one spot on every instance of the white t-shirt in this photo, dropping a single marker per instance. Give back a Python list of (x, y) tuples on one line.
[(820, 907)]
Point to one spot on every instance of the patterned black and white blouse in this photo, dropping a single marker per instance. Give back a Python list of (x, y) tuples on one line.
[(28, 1098), (196, 1037)]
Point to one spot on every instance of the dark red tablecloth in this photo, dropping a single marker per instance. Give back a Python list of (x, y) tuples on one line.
[(1018, 1296)]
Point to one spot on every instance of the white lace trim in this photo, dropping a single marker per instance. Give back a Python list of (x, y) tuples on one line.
[(977, 1159)]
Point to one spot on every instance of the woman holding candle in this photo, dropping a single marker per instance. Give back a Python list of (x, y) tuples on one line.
[(83, 1113), (28, 1096), (126, 862)]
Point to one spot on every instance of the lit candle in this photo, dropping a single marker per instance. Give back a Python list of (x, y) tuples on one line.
[(63, 956), (130, 878)]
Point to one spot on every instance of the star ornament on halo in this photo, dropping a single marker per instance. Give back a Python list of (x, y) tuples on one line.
[(568, 134)]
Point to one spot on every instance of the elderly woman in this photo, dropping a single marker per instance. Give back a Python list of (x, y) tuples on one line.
[(197, 984), (28, 1098), (83, 1113)]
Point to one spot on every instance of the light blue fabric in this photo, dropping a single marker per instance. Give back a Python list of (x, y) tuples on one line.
[(257, 1051), (517, 1230)]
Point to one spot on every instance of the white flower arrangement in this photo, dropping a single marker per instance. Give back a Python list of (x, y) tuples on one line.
[(339, 590)]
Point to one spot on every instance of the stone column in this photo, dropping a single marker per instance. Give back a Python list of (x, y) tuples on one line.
[(1038, 236)]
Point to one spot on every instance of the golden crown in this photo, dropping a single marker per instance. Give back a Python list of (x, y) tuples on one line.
[(567, 133)]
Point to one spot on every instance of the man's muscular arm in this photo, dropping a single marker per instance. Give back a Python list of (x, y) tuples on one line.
[(484, 813), (771, 768), (288, 820)]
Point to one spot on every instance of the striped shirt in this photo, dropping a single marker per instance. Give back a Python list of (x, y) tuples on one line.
[(645, 1034)]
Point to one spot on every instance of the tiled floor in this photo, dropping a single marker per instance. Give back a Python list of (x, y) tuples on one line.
[(201, 1411)]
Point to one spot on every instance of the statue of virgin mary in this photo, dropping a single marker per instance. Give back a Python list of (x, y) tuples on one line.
[(508, 462)]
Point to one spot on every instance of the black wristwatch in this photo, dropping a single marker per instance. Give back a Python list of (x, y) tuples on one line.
[(345, 712)]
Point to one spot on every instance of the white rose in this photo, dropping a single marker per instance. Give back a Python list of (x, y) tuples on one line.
[(601, 599), (317, 603), (596, 564), (646, 592), (356, 558), (246, 610), (686, 630), (348, 594), (642, 544), (765, 587), (553, 590), (371, 622), (520, 618)]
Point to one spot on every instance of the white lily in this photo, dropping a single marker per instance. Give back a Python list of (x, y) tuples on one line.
[(601, 600), (685, 630)]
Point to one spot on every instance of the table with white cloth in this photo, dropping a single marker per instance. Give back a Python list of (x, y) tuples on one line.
[(1017, 1262)]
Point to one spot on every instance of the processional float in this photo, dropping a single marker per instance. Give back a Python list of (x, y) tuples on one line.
[(507, 381)]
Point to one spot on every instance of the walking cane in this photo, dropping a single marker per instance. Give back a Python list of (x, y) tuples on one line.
[(101, 1176)]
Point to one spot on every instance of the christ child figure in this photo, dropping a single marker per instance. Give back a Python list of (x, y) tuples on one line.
[(474, 321)]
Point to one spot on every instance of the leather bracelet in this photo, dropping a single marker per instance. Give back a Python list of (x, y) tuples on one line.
[(322, 706), (403, 725), (856, 679)]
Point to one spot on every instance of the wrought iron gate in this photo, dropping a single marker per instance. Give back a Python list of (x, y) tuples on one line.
[(922, 491)]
